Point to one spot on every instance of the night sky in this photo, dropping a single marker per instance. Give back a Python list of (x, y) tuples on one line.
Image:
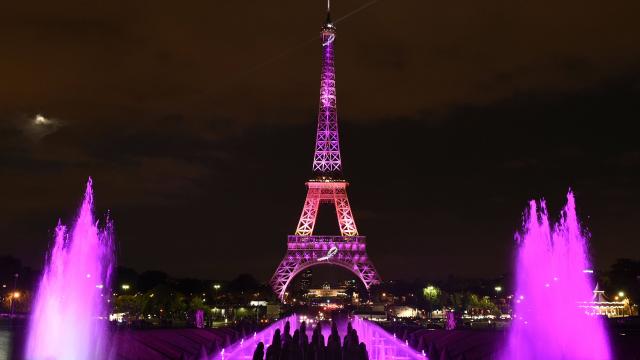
[(196, 121)]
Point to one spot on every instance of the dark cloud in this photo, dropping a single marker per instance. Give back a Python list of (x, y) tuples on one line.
[(37, 126), (196, 122)]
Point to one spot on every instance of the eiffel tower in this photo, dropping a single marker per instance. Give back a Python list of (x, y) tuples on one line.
[(304, 249)]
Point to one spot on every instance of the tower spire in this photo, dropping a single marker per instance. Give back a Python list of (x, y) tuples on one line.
[(327, 161)]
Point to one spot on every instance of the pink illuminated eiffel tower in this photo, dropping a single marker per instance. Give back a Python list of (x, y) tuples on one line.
[(328, 186)]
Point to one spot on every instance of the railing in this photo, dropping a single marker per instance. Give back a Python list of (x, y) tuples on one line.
[(326, 239), (326, 243)]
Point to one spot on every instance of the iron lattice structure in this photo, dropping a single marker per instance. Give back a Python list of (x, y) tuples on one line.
[(326, 159), (305, 249)]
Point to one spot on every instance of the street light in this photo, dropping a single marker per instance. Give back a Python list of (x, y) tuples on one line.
[(15, 284), (12, 298), (621, 294), (498, 288), (125, 286)]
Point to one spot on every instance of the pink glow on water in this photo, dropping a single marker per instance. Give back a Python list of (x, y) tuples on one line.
[(380, 344), (69, 313), (551, 281), (244, 348)]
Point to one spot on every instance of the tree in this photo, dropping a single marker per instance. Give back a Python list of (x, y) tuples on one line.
[(432, 296), (483, 304), (244, 283), (150, 279), (130, 304), (125, 275), (625, 276)]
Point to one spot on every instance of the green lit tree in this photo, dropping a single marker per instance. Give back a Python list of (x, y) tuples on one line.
[(432, 296)]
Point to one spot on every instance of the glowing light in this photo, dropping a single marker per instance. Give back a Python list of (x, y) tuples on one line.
[(41, 120), (330, 254), (621, 294), (330, 39), (125, 286), (430, 292), (498, 288), (216, 286), (16, 295), (587, 271)]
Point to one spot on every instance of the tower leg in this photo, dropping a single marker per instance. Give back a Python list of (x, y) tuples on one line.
[(345, 216), (309, 213)]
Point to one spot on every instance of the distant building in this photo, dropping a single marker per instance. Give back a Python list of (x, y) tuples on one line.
[(273, 311), (402, 311), (326, 294), (371, 315), (305, 280), (600, 305)]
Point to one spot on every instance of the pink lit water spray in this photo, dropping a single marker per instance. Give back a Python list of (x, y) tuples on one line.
[(70, 312), (554, 276)]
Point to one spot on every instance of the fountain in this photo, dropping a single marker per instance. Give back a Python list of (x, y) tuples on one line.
[(70, 311), (553, 277), (380, 345)]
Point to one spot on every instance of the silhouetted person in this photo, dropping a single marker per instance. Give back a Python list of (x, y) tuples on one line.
[(273, 351), (350, 348), (347, 339), (334, 351), (259, 353), (317, 343), (295, 351), (285, 353), (297, 347), (364, 354), (286, 336), (304, 340)]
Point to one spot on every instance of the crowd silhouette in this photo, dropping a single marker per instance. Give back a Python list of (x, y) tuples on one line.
[(285, 346)]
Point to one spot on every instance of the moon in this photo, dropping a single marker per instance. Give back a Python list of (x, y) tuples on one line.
[(41, 120)]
